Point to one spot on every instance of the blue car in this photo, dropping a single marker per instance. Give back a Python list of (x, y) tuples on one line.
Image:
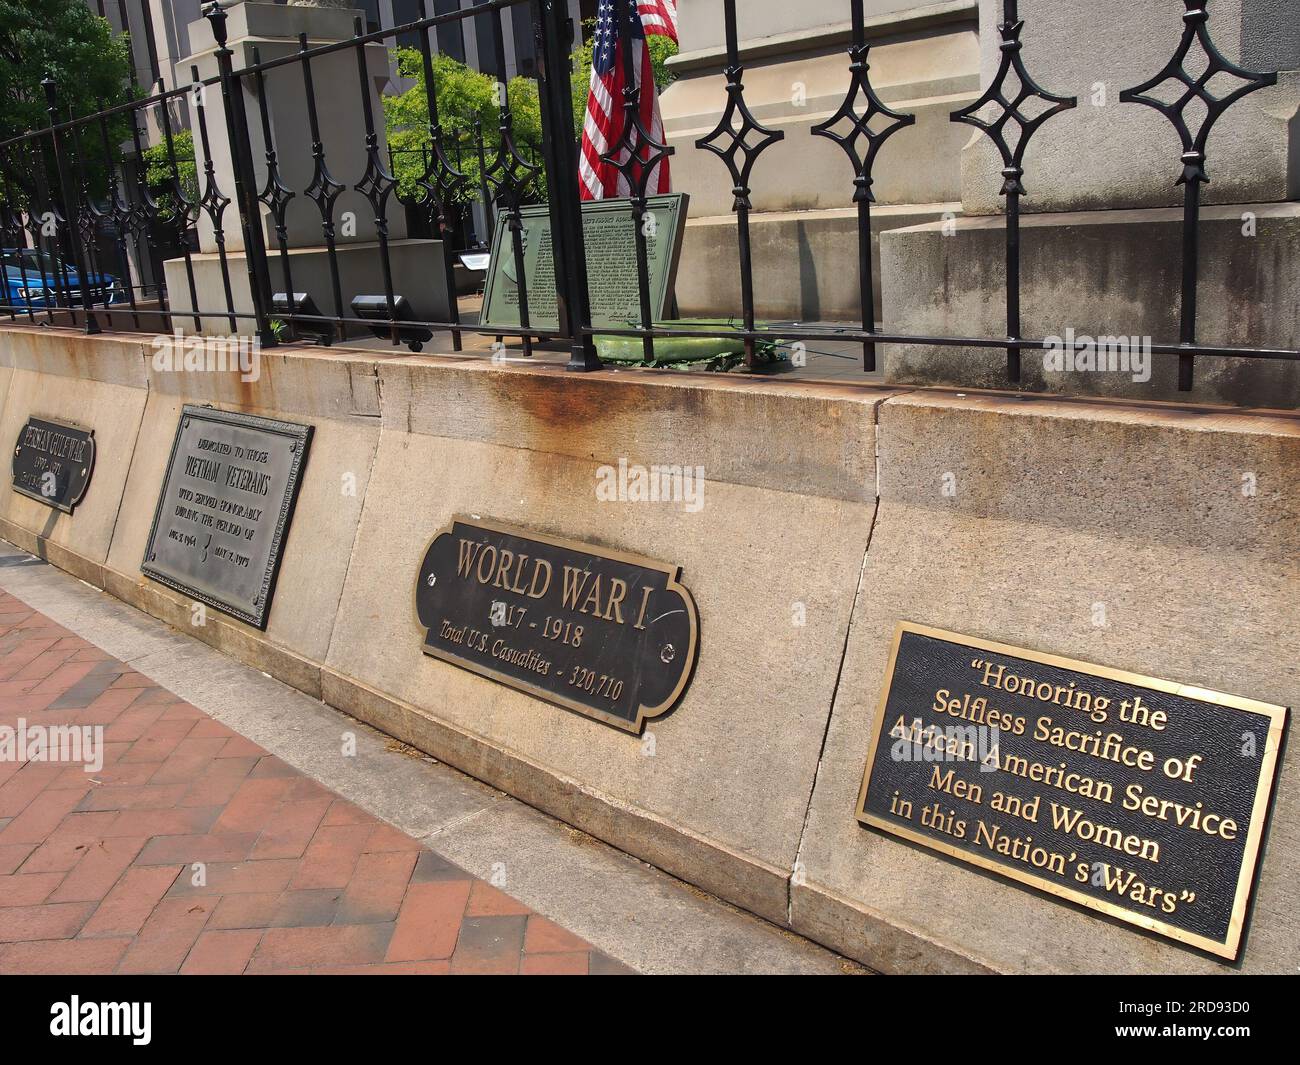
[(35, 278)]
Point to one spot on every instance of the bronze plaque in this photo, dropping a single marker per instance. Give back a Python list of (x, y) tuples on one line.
[(1140, 798), (611, 263), (225, 507), (53, 462), (608, 634)]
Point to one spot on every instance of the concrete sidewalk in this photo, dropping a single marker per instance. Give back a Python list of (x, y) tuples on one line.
[(237, 825)]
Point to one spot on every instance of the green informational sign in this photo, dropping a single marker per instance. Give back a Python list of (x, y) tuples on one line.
[(611, 264)]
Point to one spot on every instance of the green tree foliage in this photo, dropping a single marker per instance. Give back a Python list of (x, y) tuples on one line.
[(465, 97), (89, 65), (162, 177), (62, 38)]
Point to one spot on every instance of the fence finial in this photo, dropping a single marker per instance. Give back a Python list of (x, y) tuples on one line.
[(217, 17)]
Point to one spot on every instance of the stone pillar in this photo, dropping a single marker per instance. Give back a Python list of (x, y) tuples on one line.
[(1101, 237), (924, 60), (273, 30), (1105, 154)]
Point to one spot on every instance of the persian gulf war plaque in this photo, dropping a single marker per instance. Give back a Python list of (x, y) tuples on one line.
[(1140, 798), (225, 508), (53, 462), (610, 635)]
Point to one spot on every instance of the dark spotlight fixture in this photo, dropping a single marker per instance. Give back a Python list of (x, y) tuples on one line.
[(303, 304), (374, 311)]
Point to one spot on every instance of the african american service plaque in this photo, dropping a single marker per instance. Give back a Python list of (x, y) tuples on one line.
[(1140, 798), (608, 634), (225, 508)]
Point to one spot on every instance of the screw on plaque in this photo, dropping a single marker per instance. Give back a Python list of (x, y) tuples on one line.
[(668, 653), (432, 579)]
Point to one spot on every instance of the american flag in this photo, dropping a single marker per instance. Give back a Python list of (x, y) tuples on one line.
[(603, 126)]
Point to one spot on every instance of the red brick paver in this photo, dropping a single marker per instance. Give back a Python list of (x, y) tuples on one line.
[(192, 850)]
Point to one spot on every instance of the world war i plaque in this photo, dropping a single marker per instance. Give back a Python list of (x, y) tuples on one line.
[(1140, 798), (225, 508), (611, 263), (608, 634), (53, 462)]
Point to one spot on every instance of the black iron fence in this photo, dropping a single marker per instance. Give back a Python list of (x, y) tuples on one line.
[(64, 185)]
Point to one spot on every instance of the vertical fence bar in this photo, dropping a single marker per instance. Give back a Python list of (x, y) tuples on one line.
[(55, 288), (121, 211), (275, 194), (89, 216), (1191, 270), (1215, 69), (1013, 170), (181, 215), (861, 120), (14, 219), (1013, 285), (554, 41), (246, 202), (489, 215), (323, 189), (212, 199), (376, 183), (866, 275), (449, 178), (510, 185), (739, 155), (734, 73), (70, 208), (636, 166)]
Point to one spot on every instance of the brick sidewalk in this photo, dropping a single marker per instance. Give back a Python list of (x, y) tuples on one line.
[(195, 851)]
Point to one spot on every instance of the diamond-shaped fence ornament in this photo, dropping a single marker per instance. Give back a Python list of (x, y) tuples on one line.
[(739, 138), (1191, 90), (1020, 102)]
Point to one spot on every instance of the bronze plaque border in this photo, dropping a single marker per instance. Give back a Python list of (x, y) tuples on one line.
[(671, 572), (1277, 716), (259, 617), (74, 502)]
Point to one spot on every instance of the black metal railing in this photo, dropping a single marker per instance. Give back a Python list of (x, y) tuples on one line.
[(67, 184)]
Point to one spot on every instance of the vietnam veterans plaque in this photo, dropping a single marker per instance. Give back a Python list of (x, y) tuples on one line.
[(610, 241), (225, 507), (53, 462), (1140, 798), (607, 634)]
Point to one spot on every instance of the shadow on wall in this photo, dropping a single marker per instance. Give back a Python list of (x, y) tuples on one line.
[(809, 294)]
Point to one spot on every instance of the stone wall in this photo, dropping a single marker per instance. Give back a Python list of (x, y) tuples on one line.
[(825, 523)]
